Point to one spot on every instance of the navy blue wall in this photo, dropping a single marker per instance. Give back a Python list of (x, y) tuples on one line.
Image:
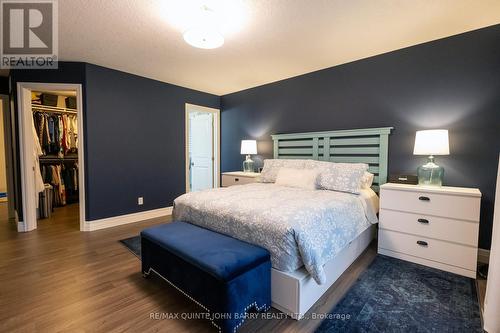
[(134, 141), (452, 83), (134, 136)]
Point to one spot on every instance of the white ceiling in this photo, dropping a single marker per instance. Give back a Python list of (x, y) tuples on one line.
[(280, 38)]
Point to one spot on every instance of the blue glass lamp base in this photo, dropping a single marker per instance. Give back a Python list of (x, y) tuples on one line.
[(430, 174), (248, 165)]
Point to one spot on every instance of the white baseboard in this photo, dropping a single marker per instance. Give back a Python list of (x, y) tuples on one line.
[(483, 256), (126, 219)]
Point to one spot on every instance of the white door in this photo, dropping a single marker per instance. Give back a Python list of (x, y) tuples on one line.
[(201, 152)]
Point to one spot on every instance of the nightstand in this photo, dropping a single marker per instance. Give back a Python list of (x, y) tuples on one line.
[(239, 178), (432, 226)]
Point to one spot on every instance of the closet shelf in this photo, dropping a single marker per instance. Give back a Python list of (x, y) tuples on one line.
[(53, 109), (57, 159)]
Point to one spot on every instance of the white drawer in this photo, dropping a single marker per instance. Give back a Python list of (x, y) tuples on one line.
[(462, 232), (229, 180), (440, 251), (450, 206)]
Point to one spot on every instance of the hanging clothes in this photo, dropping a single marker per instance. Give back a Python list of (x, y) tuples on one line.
[(37, 152), (65, 136), (56, 135), (38, 120), (46, 136), (73, 133), (60, 133), (69, 176), (64, 179), (53, 144), (41, 129)]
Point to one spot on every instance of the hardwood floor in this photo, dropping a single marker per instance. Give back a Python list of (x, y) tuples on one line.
[(58, 279)]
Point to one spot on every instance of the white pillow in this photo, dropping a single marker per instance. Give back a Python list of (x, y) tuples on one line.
[(272, 166), (300, 178), (343, 177), (367, 180)]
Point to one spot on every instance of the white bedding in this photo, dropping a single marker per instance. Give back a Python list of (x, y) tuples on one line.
[(298, 226), (370, 204)]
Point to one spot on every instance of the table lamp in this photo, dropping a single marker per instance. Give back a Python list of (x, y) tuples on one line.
[(431, 142), (248, 147)]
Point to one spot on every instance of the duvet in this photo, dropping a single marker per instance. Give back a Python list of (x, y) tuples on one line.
[(298, 227)]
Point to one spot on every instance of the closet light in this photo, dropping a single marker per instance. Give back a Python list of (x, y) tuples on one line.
[(204, 38)]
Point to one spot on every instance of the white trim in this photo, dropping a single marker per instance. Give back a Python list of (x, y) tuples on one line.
[(26, 146), (81, 155), (483, 256), (27, 162), (216, 143), (126, 219)]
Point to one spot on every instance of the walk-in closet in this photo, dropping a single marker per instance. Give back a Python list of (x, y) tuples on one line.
[(55, 131)]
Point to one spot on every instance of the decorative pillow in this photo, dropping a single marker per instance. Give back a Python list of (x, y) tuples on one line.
[(367, 180), (272, 166), (343, 177), (300, 178), (314, 164)]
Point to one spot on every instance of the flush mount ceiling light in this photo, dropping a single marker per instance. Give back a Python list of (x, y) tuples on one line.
[(203, 38), (204, 23)]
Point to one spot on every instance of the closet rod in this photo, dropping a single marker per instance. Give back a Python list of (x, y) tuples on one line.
[(56, 162), (53, 109), (57, 159)]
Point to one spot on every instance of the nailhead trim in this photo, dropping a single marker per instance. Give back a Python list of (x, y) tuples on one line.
[(248, 307), (254, 305)]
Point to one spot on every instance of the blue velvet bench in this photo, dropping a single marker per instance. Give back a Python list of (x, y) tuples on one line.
[(225, 276)]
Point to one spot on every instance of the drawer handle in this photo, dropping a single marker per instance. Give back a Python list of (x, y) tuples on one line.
[(422, 243), (424, 198), (424, 221), (236, 179)]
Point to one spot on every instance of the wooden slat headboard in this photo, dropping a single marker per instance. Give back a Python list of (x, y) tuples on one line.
[(368, 145)]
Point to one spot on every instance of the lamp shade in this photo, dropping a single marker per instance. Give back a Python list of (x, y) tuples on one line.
[(248, 147), (431, 142)]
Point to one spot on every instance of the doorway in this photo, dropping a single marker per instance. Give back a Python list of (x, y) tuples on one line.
[(7, 156), (51, 153), (3, 164), (202, 147)]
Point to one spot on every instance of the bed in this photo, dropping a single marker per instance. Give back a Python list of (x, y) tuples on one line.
[(312, 235)]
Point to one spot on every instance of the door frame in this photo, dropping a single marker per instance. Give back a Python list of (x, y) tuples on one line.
[(9, 159), (26, 142), (215, 144)]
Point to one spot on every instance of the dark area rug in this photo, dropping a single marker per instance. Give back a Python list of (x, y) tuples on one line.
[(133, 244), (399, 296)]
